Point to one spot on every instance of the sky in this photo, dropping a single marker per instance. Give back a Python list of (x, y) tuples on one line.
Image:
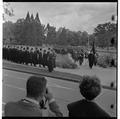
[(76, 16)]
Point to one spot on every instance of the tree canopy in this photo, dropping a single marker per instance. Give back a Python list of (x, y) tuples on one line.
[(104, 33), (30, 31)]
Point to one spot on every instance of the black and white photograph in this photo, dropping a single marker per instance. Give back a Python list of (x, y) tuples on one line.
[(59, 59)]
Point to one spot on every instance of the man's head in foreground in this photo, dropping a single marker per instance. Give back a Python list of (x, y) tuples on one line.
[(36, 87)]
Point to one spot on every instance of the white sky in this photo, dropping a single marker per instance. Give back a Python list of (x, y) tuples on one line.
[(73, 15)]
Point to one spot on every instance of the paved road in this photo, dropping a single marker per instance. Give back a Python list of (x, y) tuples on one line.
[(63, 91)]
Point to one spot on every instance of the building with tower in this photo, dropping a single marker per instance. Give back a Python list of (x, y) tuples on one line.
[(32, 19)]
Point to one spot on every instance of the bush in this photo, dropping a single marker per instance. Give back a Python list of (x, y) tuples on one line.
[(104, 60), (67, 66), (58, 64), (64, 61), (74, 66)]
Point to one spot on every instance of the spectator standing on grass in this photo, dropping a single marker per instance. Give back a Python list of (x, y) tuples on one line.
[(90, 88), (32, 105)]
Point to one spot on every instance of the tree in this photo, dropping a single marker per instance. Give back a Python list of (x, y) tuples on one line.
[(8, 31), (20, 31), (70, 38), (39, 33), (92, 39), (73, 38), (84, 38), (104, 33), (51, 34), (66, 37), (28, 31), (25, 31), (62, 36), (7, 10)]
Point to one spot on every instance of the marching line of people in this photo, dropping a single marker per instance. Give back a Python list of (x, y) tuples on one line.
[(80, 56), (30, 55), (44, 57)]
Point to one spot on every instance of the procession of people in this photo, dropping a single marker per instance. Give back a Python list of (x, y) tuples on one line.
[(43, 57)]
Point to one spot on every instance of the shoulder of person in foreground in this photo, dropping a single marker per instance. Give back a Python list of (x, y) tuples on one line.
[(9, 107), (74, 107), (101, 111)]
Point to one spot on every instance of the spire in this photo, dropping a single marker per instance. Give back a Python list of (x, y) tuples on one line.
[(32, 18), (37, 18), (28, 17)]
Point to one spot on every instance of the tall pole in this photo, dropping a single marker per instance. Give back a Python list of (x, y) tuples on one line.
[(46, 32), (88, 42), (93, 47), (46, 40)]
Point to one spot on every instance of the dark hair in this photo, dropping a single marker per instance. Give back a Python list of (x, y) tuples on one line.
[(90, 87), (35, 86)]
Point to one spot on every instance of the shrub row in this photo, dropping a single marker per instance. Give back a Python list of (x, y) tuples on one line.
[(63, 61), (106, 61)]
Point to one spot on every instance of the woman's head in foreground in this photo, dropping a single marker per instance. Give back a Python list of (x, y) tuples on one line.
[(90, 87)]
